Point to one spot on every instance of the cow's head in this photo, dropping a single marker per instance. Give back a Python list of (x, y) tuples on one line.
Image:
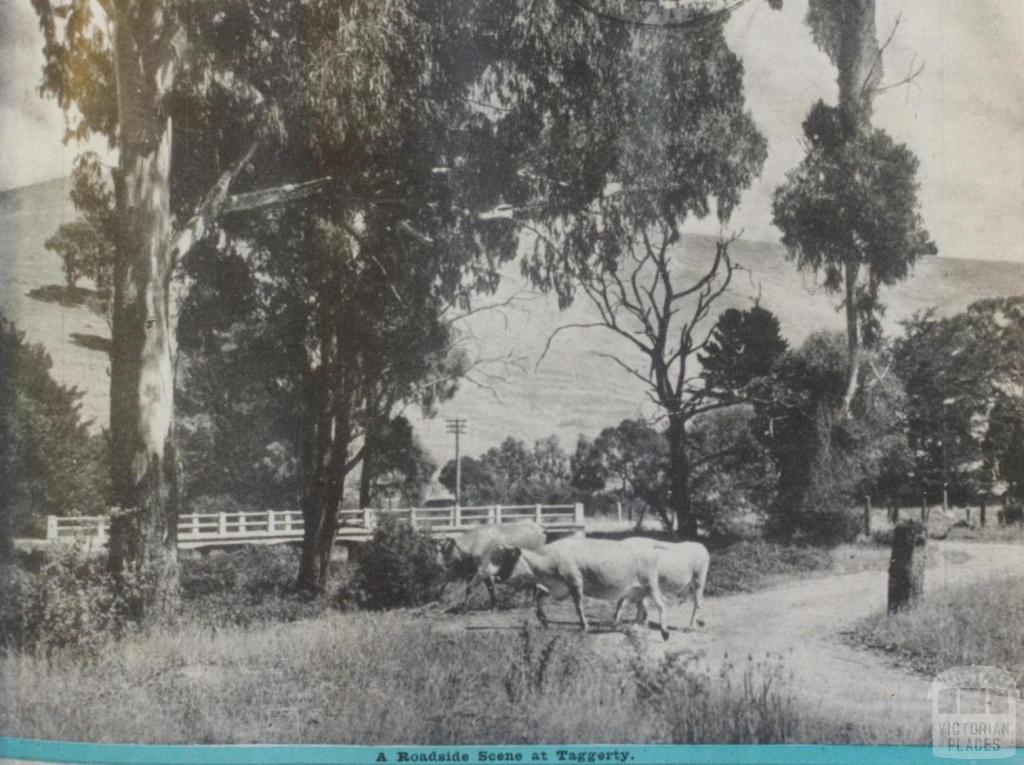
[(505, 560)]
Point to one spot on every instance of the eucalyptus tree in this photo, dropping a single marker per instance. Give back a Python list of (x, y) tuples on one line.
[(672, 142), (194, 94), (850, 210)]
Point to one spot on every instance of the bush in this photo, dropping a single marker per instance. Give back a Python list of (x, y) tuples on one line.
[(748, 565), (398, 566), (70, 605), (245, 586)]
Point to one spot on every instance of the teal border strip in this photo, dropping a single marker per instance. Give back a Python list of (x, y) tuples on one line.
[(156, 754)]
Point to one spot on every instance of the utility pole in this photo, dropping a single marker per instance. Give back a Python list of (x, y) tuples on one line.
[(457, 426)]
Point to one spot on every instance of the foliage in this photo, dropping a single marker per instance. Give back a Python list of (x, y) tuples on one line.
[(734, 478), (744, 346), (71, 606), (86, 245), (673, 143), (398, 566), (964, 410), (826, 463), (400, 468), (752, 564), (244, 587), (49, 463), (511, 474), (852, 206), (632, 457)]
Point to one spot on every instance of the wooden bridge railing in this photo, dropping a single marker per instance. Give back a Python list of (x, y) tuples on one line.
[(270, 526)]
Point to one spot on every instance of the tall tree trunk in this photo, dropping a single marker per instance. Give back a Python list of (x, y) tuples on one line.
[(143, 538), (316, 457), (853, 345), (679, 477)]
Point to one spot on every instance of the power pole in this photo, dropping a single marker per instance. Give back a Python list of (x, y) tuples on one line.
[(457, 426)]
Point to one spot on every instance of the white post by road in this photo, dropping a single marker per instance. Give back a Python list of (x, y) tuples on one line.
[(578, 513), (51, 527)]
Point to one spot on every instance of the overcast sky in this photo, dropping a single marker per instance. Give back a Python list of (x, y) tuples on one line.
[(963, 117)]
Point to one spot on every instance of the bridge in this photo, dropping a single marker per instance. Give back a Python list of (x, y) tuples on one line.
[(277, 527)]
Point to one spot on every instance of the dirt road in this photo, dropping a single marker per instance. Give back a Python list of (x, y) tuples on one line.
[(804, 622)]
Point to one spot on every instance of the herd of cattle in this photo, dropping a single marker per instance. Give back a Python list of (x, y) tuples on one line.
[(634, 570)]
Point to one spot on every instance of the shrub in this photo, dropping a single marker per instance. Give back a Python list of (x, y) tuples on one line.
[(71, 605), (398, 566), (747, 565), (245, 586)]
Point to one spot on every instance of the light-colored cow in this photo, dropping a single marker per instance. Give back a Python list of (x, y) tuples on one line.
[(682, 570), (598, 568), (468, 556)]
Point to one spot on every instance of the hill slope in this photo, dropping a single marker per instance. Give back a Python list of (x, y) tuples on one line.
[(571, 391)]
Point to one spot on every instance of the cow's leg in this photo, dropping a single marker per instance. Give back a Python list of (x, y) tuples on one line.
[(540, 591), (634, 594), (655, 595), (489, 581), (698, 600), (469, 589), (576, 591)]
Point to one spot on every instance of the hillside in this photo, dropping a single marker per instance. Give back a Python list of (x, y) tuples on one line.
[(571, 391)]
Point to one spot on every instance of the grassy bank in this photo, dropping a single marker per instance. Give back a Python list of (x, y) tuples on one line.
[(392, 678), (977, 624)]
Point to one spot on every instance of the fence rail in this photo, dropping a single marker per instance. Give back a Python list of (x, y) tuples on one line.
[(273, 526)]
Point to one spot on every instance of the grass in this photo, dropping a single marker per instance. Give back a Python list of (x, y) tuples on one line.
[(976, 624), (393, 678)]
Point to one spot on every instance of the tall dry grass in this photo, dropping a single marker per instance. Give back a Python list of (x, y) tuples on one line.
[(974, 624), (397, 678)]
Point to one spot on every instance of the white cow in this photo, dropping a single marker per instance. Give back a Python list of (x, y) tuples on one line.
[(468, 556), (599, 568), (682, 570)]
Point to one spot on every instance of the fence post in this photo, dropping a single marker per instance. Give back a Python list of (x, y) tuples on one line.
[(981, 512), (101, 531), (907, 565), (367, 519), (867, 515), (270, 521), (457, 516), (618, 511), (51, 527), (195, 524), (222, 524), (241, 522), (538, 514), (577, 514), (497, 514)]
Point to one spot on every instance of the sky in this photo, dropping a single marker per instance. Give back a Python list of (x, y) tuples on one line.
[(963, 116)]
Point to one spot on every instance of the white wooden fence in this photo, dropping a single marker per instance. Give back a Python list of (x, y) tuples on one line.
[(272, 527)]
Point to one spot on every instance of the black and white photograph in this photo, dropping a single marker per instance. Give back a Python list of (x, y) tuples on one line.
[(511, 373)]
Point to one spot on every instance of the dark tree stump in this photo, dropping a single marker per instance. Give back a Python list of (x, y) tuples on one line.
[(906, 566)]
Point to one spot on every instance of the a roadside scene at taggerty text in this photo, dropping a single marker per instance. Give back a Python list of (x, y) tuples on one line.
[(438, 372)]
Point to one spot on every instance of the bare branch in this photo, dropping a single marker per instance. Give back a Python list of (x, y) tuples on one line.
[(624, 365), (290, 192), (208, 210), (558, 330)]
